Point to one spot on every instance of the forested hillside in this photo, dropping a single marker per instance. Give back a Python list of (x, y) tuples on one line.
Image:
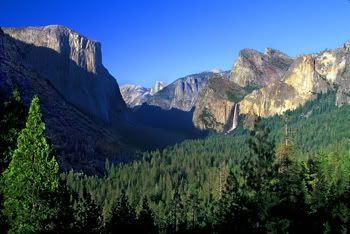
[(289, 173), (286, 172)]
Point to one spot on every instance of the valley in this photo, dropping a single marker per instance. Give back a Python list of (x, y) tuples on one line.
[(261, 147)]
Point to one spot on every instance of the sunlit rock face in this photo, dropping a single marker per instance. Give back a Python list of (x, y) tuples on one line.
[(252, 70), (84, 52), (159, 85), (259, 69), (73, 65), (280, 96), (136, 95), (308, 76)]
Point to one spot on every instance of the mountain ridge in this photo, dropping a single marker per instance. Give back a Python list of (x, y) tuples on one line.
[(73, 64)]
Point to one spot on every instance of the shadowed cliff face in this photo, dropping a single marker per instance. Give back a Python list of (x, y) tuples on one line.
[(215, 103), (82, 139), (73, 65), (81, 134), (182, 94), (136, 95)]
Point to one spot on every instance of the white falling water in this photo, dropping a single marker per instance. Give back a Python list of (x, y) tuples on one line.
[(235, 119)]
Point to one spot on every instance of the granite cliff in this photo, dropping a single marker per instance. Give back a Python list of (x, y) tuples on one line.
[(73, 65), (259, 69), (309, 75), (272, 83), (182, 94), (215, 108), (86, 118), (136, 95), (80, 101)]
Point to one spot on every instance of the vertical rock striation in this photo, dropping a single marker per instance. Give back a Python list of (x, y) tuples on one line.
[(73, 65)]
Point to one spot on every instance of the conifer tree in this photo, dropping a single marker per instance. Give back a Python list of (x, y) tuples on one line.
[(145, 219), (122, 217), (12, 120), (31, 177), (289, 213), (247, 198), (65, 197), (87, 215)]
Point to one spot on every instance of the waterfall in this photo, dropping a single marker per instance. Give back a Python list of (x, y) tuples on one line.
[(235, 118)]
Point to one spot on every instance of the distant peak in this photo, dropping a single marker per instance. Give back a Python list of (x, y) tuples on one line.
[(274, 52), (159, 85), (347, 45), (216, 70)]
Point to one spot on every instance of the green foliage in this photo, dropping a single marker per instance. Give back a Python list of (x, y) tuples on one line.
[(12, 120), (284, 190), (248, 187), (236, 95), (87, 215), (31, 179), (122, 217), (145, 219), (208, 119), (238, 183)]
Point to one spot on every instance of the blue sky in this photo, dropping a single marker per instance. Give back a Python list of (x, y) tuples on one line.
[(148, 40)]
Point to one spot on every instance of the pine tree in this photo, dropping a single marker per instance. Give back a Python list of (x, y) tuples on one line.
[(230, 206), (3, 223), (65, 220), (12, 120), (259, 166), (31, 178), (87, 215), (289, 212), (122, 217), (145, 219), (177, 214), (247, 197)]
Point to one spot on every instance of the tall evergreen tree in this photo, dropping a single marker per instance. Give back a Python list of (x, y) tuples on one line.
[(246, 199), (87, 215), (31, 177), (289, 213), (122, 217), (65, 220), (145, 219), (12, 121)]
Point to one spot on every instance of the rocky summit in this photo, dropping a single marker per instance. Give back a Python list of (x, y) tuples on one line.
[(65, 69), (259, 69), (73, 65), (308, 76), (272, 83), (136, 95), (182, 94), (80, 100), (252, 70)]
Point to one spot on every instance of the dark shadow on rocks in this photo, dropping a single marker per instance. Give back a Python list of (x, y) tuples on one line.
[(81, 137)]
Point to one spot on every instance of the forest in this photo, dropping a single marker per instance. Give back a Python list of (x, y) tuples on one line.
[(287, 174)]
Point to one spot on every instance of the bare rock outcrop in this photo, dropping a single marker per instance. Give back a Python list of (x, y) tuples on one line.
[(73, 65)]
